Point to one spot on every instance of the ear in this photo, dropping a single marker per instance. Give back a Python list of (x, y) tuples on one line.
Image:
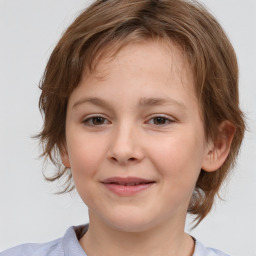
[(65, 158), (219, 149)]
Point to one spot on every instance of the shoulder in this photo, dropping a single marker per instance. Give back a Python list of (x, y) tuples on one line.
[(49, 249), (201, 250), (67, 245)]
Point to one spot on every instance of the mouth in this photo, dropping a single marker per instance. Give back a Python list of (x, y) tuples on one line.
[(127, 186), (128, 181)]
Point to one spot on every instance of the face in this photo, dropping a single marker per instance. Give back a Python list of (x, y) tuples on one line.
[(134, 138)]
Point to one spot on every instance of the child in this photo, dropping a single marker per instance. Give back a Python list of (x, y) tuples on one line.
[(140, 102)]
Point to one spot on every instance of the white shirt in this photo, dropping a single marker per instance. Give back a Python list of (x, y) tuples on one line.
[(69, 245)]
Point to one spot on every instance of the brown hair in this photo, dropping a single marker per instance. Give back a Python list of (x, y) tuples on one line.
[(112, 24)]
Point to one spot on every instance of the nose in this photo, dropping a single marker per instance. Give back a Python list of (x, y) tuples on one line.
[(125, 146)]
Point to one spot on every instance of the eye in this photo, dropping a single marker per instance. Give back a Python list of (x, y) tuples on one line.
[(160, 120), (96, 121)]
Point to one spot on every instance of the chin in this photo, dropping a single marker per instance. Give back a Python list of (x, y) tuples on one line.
[(129, 222)]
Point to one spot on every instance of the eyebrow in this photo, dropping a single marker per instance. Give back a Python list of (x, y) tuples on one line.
[(143, 102), (152, 101)]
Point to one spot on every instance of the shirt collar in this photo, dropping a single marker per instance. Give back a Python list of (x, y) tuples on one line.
[(72, 247), (70, 241)]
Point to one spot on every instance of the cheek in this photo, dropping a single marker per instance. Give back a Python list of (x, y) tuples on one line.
[(178, 157), (178, 161), (85, 160), (85, 153)]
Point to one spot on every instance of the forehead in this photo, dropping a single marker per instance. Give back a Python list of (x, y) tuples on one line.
[(147, 55), (150, 69)]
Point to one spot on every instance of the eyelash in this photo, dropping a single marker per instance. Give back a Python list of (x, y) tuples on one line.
[(89, 121), (163, 118)]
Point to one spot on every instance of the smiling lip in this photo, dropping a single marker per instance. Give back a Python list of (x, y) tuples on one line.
[(127, 186)]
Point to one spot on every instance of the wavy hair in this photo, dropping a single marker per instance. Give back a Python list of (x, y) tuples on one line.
[(105, 27)]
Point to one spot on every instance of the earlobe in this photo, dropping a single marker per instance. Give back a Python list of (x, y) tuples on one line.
[(219, 149), (65, 159)]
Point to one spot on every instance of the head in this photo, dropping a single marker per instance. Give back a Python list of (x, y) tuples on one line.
[(106, 28)]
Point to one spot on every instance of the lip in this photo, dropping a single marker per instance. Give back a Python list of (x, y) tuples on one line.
[(127, 186)]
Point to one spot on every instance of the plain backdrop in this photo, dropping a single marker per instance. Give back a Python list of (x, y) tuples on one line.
[(29, 211)]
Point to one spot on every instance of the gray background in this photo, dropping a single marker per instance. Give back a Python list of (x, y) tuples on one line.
[(29, 211)]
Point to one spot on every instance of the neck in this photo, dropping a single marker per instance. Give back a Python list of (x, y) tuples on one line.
[(165, 239)]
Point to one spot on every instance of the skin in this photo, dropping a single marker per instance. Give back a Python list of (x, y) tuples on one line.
[(163, 141)]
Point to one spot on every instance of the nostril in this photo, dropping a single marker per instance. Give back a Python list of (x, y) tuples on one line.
[(114, 159), (132, 159)]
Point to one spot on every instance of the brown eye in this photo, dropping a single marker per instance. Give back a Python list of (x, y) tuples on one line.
[(159, 120), (95, 121), (98, 120)]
